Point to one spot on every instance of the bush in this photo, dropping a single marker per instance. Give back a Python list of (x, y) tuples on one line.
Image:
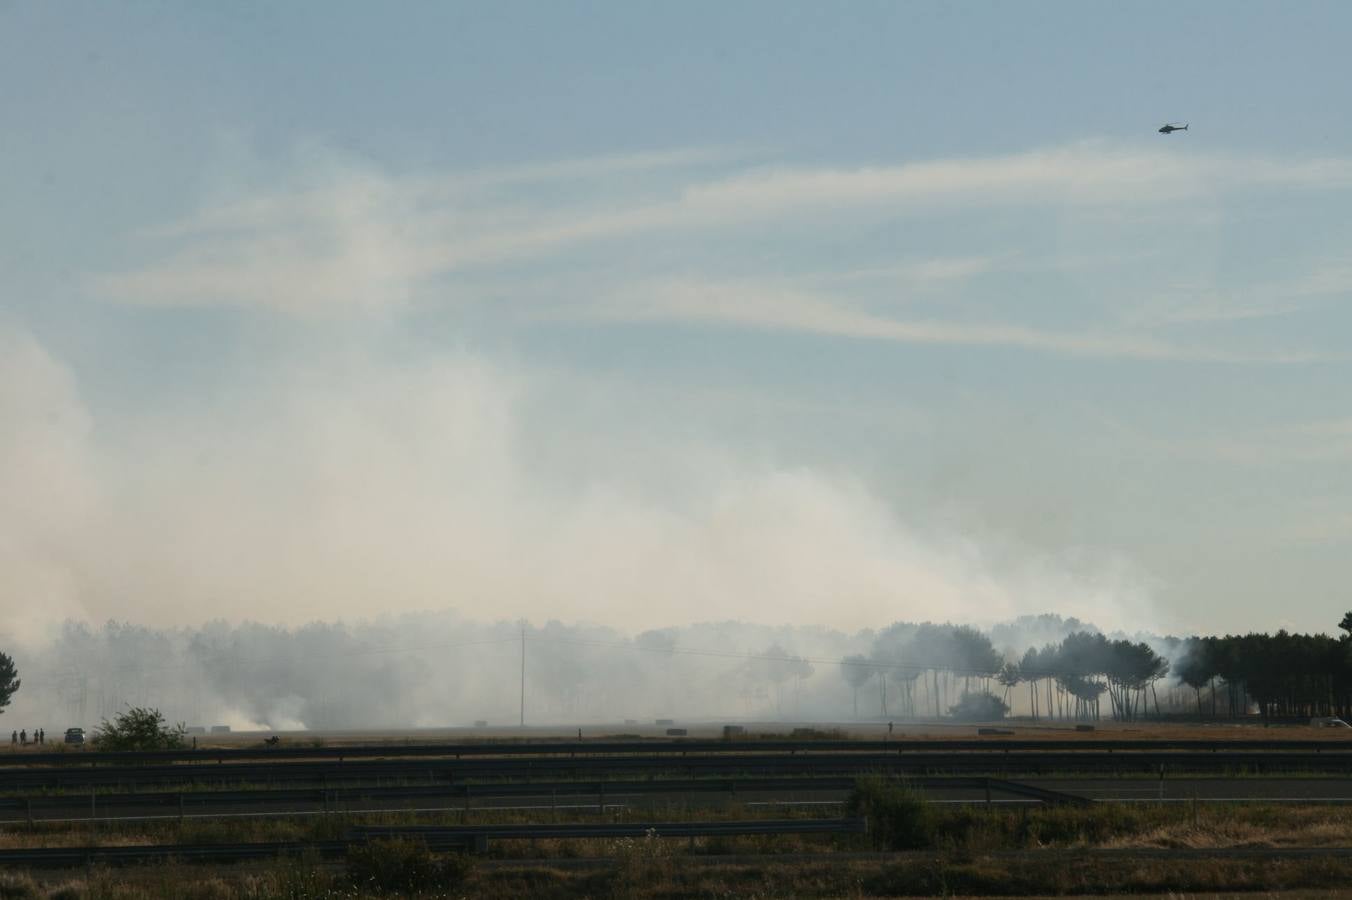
[(19, 887), (898, 817), (404, 866), (982, 707), (139, 728)]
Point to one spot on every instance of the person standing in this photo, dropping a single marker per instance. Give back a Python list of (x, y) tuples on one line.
[(23, 737)]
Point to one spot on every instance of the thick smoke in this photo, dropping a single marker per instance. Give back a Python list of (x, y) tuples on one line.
[(335, 486), (439, 669), (388, 512)]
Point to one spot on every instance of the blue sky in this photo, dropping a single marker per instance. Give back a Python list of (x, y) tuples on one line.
[(645, 313)]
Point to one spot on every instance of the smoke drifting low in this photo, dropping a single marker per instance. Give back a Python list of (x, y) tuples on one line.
[(340, 484), (438, 669)]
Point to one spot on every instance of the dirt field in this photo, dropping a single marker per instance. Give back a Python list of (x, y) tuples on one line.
[(910, 731)]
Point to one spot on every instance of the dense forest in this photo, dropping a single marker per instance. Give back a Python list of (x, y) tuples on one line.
[(1085, 673), (924, 666)]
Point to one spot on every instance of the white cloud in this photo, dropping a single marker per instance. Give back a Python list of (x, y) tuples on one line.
[(352, 236)]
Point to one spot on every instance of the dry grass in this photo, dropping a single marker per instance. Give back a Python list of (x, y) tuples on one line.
[(645, 877), (1249, 826), (1023, 729), (960, 859), (966, 829)]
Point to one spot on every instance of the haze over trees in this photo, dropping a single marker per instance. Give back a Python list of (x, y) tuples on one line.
[(437, 669)]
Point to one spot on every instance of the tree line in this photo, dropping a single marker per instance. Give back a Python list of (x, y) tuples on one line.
[(1282, 675), (331, 675), (925, 666), (918, 670)]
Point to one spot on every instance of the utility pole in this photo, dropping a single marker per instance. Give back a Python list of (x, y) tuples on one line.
[(523, 674)]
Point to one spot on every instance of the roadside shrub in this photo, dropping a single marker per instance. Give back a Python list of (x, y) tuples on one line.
[(139, 728), (71, 890), (979, 707), (300, 877), (403, 866), (18, 887), (640, 863), (898, 817)]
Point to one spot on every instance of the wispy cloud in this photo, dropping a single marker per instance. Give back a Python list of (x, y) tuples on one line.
[(919, 272), (768, 307), (356, 238), (1204, 304), (1300, 443)]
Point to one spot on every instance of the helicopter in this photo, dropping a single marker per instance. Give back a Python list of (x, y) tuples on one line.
[(1171, 128)]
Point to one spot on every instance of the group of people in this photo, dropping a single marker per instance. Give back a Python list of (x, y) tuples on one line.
[(21, 737)]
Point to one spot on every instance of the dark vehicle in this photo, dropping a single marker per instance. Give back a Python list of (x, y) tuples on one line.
[(1170, 129), (75, 736)]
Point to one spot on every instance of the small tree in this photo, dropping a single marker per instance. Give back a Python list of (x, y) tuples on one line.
[(139, 728), (979, 707), (9, 680), (857, 672), (898, 817)]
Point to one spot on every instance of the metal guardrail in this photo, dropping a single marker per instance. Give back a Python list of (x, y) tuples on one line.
[(617, 829), (267, 802), (660, 747), (729, 765)]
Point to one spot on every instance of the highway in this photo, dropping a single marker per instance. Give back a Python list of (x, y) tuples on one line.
[(602, 774), (440, 837), (330, 773), (667, 747), (652, 794)]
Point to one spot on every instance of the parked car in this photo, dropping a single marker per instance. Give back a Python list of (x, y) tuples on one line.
[(74, 735), (1329, 722)]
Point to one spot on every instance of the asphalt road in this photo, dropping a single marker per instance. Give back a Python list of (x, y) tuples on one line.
[(515, 798)]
